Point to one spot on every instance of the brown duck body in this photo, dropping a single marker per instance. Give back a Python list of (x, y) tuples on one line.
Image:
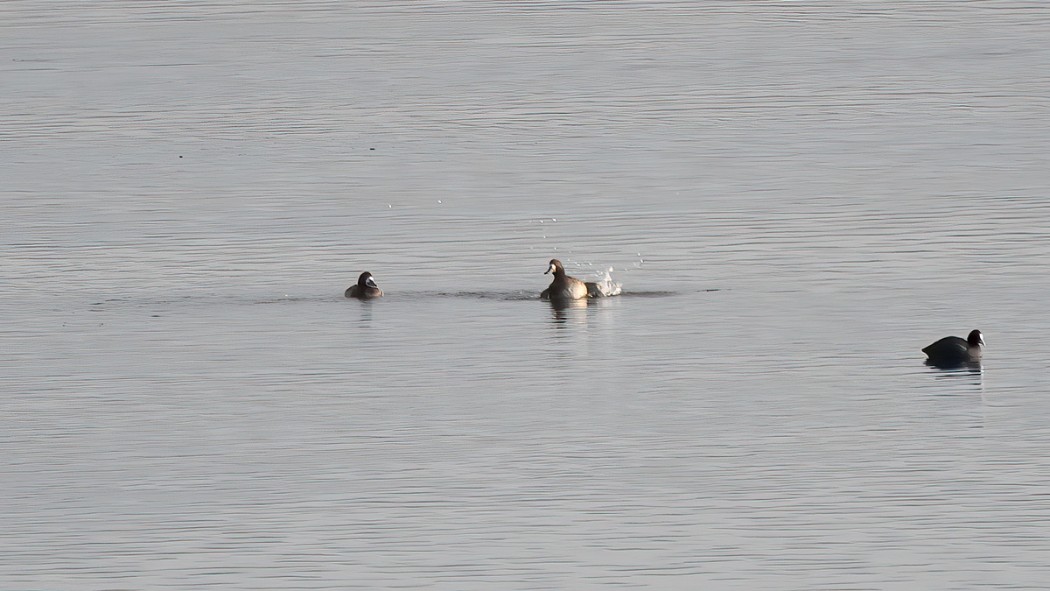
[(564, 287), (366, 288)]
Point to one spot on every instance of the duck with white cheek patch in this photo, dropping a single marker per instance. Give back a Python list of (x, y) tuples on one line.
[(564, 288), (366, 288)]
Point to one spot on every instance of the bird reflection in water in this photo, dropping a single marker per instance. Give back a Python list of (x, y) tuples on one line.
[(564, 310), (969, 371), (957, 367)]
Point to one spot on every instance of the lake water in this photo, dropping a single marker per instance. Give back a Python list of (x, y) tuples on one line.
[(796, 197)]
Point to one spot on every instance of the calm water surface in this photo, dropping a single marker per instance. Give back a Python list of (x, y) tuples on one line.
[(796, 196)]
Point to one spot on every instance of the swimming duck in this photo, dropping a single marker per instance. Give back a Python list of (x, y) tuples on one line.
[(365, 289), (564, 287), (955, 351)]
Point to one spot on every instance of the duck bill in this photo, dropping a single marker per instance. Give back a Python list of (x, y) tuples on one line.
[(370, 282), (550, 269)]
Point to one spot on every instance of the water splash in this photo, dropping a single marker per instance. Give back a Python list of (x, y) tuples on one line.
[(605, 286)]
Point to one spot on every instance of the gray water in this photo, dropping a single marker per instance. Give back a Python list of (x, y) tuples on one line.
[(796, 197)]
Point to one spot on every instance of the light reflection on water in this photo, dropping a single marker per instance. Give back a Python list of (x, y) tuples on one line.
[(795, 197)]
